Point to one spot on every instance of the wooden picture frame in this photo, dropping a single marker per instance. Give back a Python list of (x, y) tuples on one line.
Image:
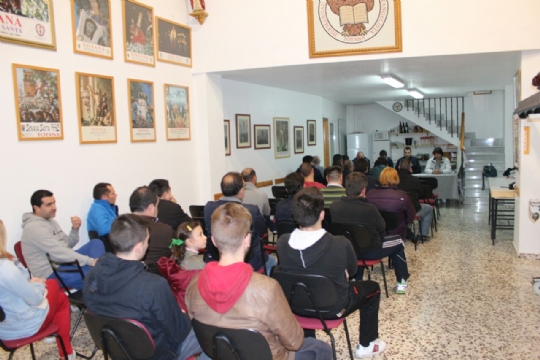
[(177, 116), (138, 20), (353, 30), (141, 103), (173, 42), (262, 136), (28, 25), (281, 137), (227, 129), (37, 102), (243, 131), (298, 139), (96, 108), (311, 132), (91, 28)]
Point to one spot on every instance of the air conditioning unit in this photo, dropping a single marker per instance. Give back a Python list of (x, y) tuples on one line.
[(381, 136)]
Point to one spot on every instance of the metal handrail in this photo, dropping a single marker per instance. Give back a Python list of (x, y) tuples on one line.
[(446, 110)]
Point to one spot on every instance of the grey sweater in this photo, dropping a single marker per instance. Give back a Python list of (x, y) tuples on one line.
[(41, 236)]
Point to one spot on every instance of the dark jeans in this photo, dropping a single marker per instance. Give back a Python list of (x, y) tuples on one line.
[(391, 246), (313, 349)]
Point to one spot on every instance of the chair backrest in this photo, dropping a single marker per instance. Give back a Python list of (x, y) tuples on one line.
[(18, 252), (279, 192), (431, 181), (358, 235), (391, 219), (201, 221), (92, 234), (413, 195), (231, 344), (273, 203), (120, 338), (65, 267), (196, 211), (285, 227)]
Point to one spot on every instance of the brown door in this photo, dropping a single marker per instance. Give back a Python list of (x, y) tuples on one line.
[(326, 142)]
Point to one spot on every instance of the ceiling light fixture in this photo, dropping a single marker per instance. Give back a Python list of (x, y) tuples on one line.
[(415, 93), (392, 81)]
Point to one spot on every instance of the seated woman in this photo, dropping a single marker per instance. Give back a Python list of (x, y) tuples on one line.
[(438, 164), (30, 305)]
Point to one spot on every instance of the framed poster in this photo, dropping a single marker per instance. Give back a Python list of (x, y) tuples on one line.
[(173, 42), (28, 22), (227, 128), (311, 132), (37, 102), (298, 139), (243, 131), (92, 34), (281, 137), (96, 108), (177, 112), (353, 27), (141, 103), (262, 136), (138, 33)]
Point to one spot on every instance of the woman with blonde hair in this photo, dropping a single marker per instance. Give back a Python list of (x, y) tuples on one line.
[(30, 305)]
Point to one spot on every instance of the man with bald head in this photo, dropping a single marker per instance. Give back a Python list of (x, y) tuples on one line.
[(361, 155), (254, 196)]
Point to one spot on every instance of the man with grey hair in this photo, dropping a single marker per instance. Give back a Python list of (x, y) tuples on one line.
[(254, 196), (317, 164), (361, 155)]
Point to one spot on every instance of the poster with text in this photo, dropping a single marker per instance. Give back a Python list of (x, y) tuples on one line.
[(281, 137), (92, 27), (138, 33), (177, 112), (173, 43), (141, 104)]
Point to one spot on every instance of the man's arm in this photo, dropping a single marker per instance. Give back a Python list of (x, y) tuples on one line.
[(446, 167), (429, 166), (266, 205), (416, 168), (102, 222), (259, 224), (378, 220), (12, 280), (169, 317), (350, 258)]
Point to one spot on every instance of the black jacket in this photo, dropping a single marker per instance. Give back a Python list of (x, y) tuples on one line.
[(284, 210), (317, 176), (122, 289), (161, 236), (411, 184), (415, 165), (171, 214)]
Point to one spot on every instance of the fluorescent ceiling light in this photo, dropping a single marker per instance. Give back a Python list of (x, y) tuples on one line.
[(415, 94), (392, 81)]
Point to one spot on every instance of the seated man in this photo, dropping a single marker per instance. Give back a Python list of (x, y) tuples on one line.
[(306, 170), (354, 209), (170, 212), (415, 164), (380, 164), (119, 287), (42, 234), (317, 174), (254, 196), (438, 164), (384, 154), (359, 156), (144, 202), (311, 250), (333, 191), (316, 162), (102, 212), (294, 182), (362, 166), (228, 294)]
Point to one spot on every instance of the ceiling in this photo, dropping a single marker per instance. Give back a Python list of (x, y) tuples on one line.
[(359, 82)]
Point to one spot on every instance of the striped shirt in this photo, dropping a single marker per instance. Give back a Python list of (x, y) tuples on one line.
[(332, 193)]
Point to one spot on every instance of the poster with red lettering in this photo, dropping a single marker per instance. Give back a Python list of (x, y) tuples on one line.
[(28, 22), (177, 112), (141, 105), (92, 27), (37, 102), (138, 33), (173, 42)]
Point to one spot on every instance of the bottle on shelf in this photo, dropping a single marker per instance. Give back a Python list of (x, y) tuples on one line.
[(406, 127), (400, 128)]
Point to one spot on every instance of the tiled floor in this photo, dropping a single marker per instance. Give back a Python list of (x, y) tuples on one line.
[(468, 300)]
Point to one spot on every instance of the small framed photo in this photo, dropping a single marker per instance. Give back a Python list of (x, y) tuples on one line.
[(177, 112), (311, 132), (29, 23), (298, 139), (96, 108), (281, 137), (141, 103), (227, 128), (92, 33), (173, 42), (243, 131), (138, 33), (37, 102), (262, 136)]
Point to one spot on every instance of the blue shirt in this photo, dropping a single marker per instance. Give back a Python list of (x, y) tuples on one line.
[(101, 216)]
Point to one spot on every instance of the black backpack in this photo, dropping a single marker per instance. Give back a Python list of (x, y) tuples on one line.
[(490, 171)]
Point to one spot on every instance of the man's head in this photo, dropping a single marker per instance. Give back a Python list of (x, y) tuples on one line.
[(294, 182), (437, 153), (43, 204), (307, 159), (407, 152), (334, 175), (249, 176), (361, 165), (405, 164), (337, 160), (105, 191), (344, 158), (347, 164), (389, 177), (306, 170), (129, 235), (360, 155), (232, 184), (162, 188), (316, 160), (143, 201), (381, 161), (356, 184), (231, 225), (383, 154), (307, 207)]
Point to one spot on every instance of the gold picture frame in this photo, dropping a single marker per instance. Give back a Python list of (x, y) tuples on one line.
[(335, 30), (29, 25), (96, 108), (141, 102), (37, 102), (177, 116), (282, 136), (138, 27), (91, 28), (173, 42)]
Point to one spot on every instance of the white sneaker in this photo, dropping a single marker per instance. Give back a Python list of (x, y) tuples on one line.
[(402, 287), (49, 340), (72, 356), (374, 348), (74, 309)]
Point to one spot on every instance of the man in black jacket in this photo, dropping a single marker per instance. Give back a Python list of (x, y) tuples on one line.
[(119, 287), (169, 211), (362, 166), (415, 164), (317, 175)]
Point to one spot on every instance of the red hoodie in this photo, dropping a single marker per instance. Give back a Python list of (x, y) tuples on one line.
[(222, 286)]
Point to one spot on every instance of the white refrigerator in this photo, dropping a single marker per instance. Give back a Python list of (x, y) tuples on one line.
[(358, 142), (381, 141)]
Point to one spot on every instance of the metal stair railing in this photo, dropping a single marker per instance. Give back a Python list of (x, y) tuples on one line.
[(450, 107)]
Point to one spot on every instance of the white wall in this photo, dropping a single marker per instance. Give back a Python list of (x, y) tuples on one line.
[(484, 115)]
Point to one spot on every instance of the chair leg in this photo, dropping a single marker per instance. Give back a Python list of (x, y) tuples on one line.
[(348, 338), (89, 356), (11, 354), (32, 351), (368, 273), (333, 343), (81, 313), (384, 279)]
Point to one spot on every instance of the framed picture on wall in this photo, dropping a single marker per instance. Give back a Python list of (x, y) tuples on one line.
[(92, 33), (173, 42), (177, 115), (311, 132), (96, 108), (298, 139), (141, 102), (138, 33), (29, 23), (37, 102), (262, 136), (281, 137), (243, 131), (227, 128)]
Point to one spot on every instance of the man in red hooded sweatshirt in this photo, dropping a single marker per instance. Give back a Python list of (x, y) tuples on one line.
[(229, 294)]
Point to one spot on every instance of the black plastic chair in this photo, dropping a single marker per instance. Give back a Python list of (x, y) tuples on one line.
[(231, 344), (273, 203), (285, 227), (430, 184), (279, 192), (196, 211), (92, 234), (201, 221), (120, 338), (309, 293)]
